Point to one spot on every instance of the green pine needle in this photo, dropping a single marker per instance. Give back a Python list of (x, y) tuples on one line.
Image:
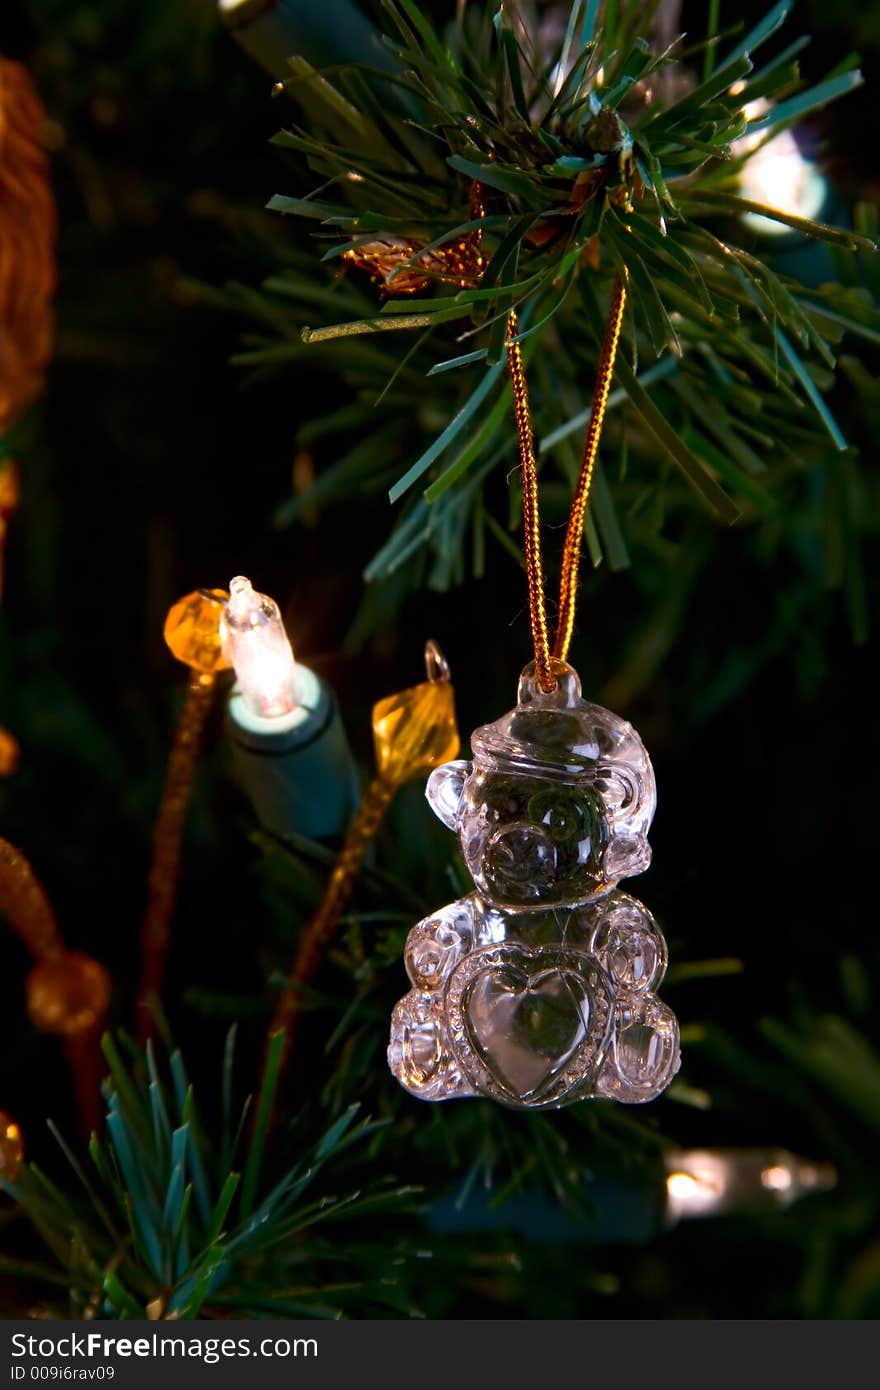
[(605, 155), (162, 1224)]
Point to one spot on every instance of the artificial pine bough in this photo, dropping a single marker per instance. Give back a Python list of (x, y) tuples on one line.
[(600, 155)]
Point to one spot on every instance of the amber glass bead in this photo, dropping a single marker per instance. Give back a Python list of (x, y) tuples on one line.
[(11, 1148), (415, 731), (9, 753), (68, 994), (192, 630)]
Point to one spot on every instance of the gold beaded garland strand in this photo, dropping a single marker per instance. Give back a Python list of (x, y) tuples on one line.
[(67, 992), (414, 731), (192, 634)]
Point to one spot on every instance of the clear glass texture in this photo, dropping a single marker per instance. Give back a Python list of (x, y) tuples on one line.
[(535, 1008), (255, 642), (537, 990), (558, 800)]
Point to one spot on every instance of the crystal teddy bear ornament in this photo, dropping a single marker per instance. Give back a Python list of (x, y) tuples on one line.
[(537, 989)]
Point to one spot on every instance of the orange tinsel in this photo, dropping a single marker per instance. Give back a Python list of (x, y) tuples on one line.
[(27, 236)]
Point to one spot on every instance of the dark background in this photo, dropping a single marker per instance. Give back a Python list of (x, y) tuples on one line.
[(153, 466)]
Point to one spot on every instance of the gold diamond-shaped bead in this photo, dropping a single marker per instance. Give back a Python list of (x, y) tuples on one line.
[(67, 994), (11, 1148), (415, 731), (192, 630)]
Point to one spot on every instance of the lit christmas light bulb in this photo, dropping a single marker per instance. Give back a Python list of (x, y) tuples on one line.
[(255, 642), (713, 1182), (778, 175), (289, 748)]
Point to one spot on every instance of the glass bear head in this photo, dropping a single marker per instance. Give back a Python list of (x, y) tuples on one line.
[(556, 805)]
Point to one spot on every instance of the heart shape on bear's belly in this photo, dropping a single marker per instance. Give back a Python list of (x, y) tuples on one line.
[(527, 1027), (526, 1024)]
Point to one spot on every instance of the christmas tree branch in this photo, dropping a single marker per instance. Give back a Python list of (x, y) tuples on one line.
[(605, 154)]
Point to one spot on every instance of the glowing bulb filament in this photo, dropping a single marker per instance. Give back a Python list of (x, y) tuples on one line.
[(255, 642), (777, 1178)]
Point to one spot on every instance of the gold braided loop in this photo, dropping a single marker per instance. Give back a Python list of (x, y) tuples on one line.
[(531, 516), (571, 553), (399, 263)]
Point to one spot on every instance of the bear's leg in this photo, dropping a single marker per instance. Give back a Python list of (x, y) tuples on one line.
[(418, 1052)]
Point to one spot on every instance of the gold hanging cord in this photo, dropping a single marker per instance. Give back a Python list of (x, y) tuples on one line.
[(531, 515)]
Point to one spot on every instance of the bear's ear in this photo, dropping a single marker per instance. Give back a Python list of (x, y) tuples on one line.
[(444, 790)]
